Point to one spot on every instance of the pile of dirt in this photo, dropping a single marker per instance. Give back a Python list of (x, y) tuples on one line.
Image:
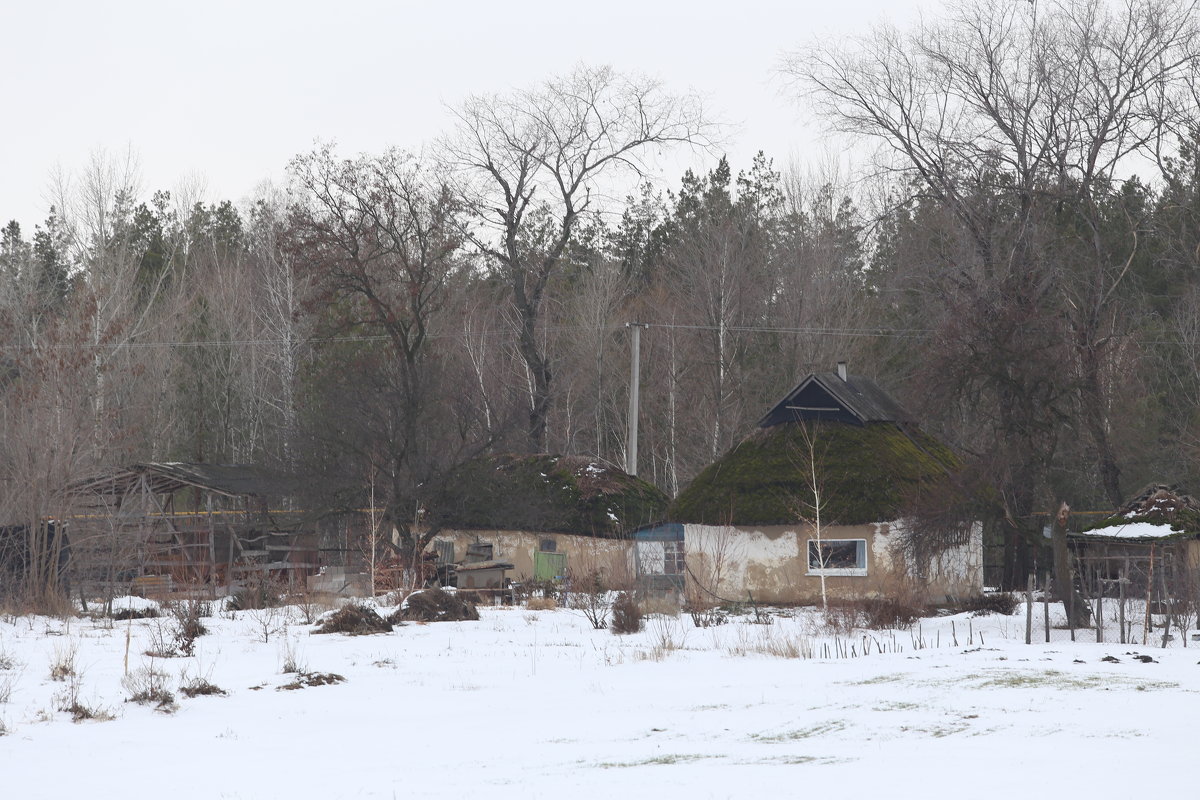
[(355, 620), (435, 605)]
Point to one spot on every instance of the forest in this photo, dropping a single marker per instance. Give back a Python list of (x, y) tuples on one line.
[(1015, 260)]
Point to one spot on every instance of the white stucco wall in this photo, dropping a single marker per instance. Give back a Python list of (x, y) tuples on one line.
[(772, 563)]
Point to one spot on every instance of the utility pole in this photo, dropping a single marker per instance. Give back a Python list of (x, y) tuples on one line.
[(635, 361)]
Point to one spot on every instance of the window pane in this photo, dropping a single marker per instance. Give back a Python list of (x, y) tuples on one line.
[(673, 558), (837, 554)]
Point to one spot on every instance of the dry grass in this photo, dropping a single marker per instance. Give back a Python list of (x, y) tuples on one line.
[(147, 686), (62, 663), (197, 687), (766, 641), (306, 679), (541, 604), (666, 605)]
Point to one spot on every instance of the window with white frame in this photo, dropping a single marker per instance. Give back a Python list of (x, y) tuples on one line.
[(837, 557)]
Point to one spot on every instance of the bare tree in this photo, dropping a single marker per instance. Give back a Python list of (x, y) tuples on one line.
[(1017, 119), (533, 163), (379, 239)]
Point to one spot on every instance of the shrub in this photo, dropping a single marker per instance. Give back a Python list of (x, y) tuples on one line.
[(80, 712), (626, 616), (890, 612), (306, 679), (62, 665), (256, 595), (196, 687), (148, 686), (589, 593), (354, 619), (188, 627), (7, 660), (134, 613), (873, 613), (993, 603), (176, 634)]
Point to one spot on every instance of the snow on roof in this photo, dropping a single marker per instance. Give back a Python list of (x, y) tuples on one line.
[(1132, 530)]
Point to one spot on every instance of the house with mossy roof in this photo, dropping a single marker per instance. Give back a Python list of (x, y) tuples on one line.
[(821, 493), (540, 517)]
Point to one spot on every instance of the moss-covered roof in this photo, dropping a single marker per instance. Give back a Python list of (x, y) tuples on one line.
[(1157, 504), (868, 473), (563, 494)]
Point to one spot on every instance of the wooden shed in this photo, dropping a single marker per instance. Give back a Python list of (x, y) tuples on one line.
[(159, 525)]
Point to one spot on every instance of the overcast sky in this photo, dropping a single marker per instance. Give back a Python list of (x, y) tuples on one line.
[(230, 91)]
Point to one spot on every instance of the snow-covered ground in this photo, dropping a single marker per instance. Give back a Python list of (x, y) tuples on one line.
[(538, 704)]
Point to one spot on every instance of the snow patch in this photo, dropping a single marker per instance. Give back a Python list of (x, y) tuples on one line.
[(1132, 530)]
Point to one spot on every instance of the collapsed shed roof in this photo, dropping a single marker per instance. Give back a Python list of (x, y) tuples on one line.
[(1156, 512), (232, 480), (566, 494)]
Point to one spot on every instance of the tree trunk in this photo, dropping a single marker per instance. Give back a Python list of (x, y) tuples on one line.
[(1096, 421), (1077, 610)]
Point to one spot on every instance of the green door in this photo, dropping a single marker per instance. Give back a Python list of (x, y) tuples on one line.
[(549, 566)]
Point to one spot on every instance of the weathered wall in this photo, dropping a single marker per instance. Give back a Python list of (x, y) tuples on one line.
[(584, 553), (771, 562)]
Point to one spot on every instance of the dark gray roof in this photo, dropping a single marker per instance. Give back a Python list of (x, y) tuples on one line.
[(824, 395), (235, 480)]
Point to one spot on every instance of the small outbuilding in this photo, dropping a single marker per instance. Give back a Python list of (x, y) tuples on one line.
[(820, 493), (1151, 543), (545, 517)]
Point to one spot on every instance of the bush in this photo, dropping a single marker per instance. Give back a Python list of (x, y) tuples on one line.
[(197, 687), (626, 616), (435, 605), (62, 664), (354, 619), (993, 603), (589, 594), (873, 613), (148, 686), (188, 627), (889, 612), (254, 596), (149, 612), (307, 679)]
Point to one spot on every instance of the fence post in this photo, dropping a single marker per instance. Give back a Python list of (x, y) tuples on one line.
[(1121, 599), (1046, 603), (1029, 609), (1162, 588), (1148, 623), (1070, 604)]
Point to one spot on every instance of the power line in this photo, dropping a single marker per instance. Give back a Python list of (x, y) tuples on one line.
[(875, 333)]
